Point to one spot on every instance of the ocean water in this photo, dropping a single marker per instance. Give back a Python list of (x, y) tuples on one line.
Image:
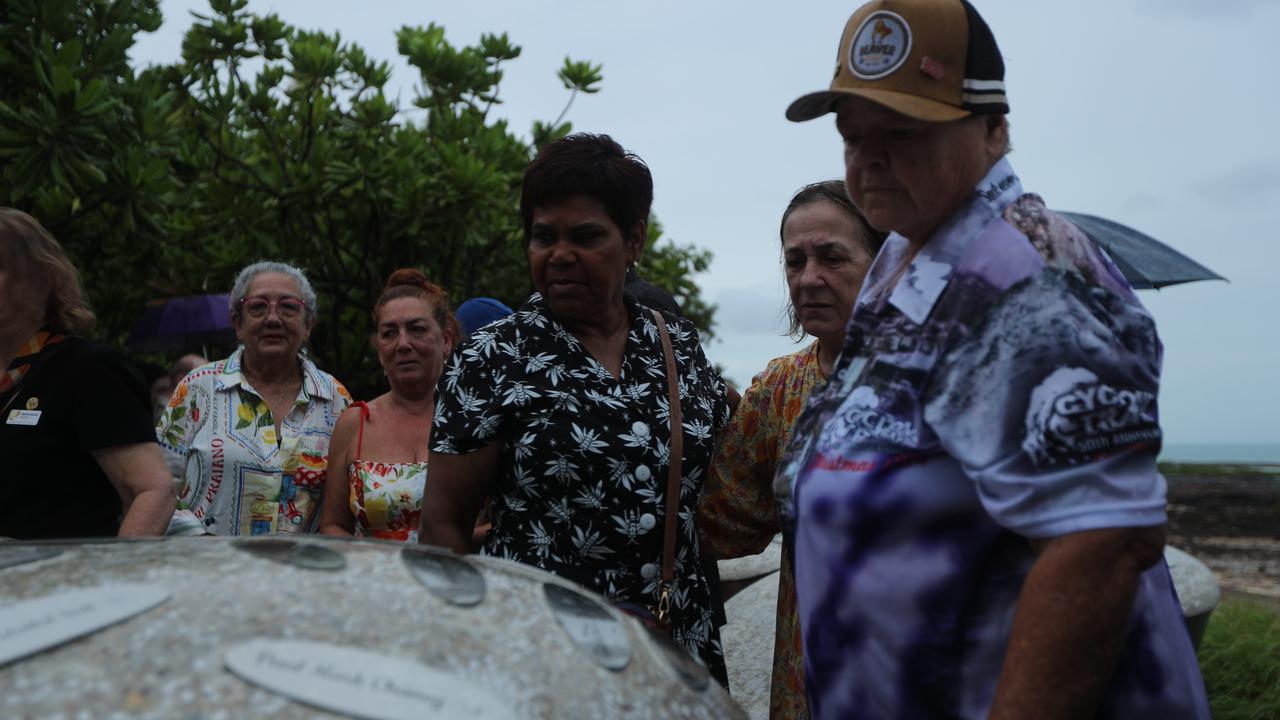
[(1261, 453)]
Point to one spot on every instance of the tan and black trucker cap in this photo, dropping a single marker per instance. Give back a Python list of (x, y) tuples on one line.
[(933, 60)]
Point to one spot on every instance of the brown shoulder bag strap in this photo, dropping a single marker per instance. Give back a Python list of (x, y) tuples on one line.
[(674, 471)]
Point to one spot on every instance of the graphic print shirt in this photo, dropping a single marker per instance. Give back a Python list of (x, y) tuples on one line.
[(240, 477), (583, 469), (1003, 388)]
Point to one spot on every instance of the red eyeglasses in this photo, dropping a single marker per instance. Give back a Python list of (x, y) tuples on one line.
[(288, 308)]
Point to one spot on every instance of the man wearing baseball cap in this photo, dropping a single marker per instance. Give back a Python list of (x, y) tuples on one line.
[(978, 518)]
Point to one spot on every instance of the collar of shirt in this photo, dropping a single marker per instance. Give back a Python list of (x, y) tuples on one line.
[(314, 384), (27, 354), (536, 308), (931, 269), (642, 337)]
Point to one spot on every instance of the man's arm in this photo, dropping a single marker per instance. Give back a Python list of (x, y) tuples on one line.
[(1071, 621), (140, 475), (456, 488)]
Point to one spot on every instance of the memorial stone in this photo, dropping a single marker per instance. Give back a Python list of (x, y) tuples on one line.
[(318, 627), (1197, 589), (748, 639)]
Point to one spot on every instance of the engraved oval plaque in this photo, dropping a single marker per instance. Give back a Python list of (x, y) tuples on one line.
[(360, 683), (31, 626), (291, 552), (687, 669), (14, 555), (590, 626), (448, 577)]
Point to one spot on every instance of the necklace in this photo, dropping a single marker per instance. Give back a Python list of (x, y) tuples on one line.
[(279, 395)]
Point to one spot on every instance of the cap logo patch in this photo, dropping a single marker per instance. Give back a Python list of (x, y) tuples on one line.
[(880, 46)]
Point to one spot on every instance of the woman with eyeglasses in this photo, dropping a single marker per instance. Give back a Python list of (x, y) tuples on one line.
[(254, 428)]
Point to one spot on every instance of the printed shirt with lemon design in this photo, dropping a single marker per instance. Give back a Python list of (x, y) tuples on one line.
[(240, 477)]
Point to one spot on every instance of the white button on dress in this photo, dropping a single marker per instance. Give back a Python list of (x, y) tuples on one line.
[(649, 571), (648, 521), (643, 473)]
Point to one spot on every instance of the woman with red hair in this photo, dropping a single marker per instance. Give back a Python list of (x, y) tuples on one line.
[(378, 456)]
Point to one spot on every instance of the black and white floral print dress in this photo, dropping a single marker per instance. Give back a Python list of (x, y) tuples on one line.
[(583, 470)]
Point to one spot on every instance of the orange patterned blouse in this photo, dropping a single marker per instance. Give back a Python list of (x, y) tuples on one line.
[(738, 515)]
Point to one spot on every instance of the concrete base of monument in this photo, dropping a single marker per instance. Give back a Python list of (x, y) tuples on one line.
[(315, 627), (752, 566), (1197, 589), (748, 644)]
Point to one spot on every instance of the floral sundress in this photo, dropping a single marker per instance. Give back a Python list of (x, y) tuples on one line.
[(385, 498)]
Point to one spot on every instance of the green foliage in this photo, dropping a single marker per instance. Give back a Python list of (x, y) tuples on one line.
[(267, 141), (1240, 661), (671, 265), (578, 77), (581, 76), (84, 144)]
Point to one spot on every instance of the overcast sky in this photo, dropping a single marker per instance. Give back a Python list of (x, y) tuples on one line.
[(1160, 114)]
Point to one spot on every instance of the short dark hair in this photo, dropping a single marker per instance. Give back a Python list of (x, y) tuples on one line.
[(834, 192), (592, 165)]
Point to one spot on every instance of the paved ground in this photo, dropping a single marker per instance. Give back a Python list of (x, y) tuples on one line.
[(1232, 524)]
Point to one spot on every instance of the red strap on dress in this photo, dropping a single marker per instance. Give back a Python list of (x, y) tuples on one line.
[(364, 414)]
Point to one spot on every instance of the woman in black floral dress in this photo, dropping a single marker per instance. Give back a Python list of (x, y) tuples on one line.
[(560, 414)]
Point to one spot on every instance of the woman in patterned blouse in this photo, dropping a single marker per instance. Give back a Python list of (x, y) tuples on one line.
[(559, 412), (378, 456), (827, 248), (253, 429)]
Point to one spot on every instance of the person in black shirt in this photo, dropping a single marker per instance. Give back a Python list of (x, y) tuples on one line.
[(560, 412), (78, 454)]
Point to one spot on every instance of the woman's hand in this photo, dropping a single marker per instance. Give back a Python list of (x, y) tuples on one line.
[(456, 488), (140, 476)]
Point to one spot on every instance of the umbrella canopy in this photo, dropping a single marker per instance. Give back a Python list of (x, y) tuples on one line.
[(1146, 262), (182, 324)]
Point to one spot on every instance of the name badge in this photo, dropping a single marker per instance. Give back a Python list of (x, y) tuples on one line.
[(23, 417)]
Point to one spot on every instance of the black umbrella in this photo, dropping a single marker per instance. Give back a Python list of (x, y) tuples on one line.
[(182, 324), (1146, 262)]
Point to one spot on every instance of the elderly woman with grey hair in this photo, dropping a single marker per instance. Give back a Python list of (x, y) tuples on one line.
[(254, 428)]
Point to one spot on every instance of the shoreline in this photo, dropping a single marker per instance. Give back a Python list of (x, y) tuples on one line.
[(1228, 516)]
